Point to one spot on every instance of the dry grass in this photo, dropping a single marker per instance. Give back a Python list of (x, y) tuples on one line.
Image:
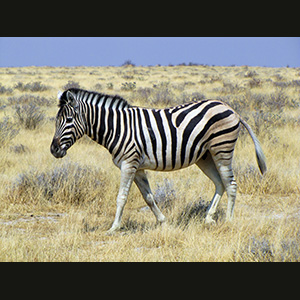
[(59, 210)]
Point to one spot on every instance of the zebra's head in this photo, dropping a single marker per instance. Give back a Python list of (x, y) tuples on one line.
[(70, 123)]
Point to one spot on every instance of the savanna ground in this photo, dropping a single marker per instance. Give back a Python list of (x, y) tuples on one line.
[(59, 210)]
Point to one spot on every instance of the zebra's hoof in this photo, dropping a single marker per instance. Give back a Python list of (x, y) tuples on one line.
[(112, 230), (210, 221)]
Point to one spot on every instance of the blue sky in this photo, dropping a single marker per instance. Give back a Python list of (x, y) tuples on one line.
[(114, 51)]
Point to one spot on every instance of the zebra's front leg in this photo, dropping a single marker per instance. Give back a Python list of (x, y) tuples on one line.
[(127, 176), (142, 183)]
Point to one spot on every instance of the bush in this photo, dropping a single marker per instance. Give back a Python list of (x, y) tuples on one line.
[(230, 88), (250, 74), (273, 102), (186, 97), (128, 63), (290, 250), (142, 94), (258, 250), (71, 84), (264, 123), (160, 94), (110, 85), (69, 183), (254, 83), (98, 87), (261, 250), (165, 194), (128, 86), (8, 131), (29, 116), (20, 148), (4, 90), (29, 99), (33, 87)]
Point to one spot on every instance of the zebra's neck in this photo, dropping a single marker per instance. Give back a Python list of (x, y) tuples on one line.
[(102, 113)]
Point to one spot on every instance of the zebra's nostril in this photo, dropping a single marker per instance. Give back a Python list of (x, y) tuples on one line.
[(53, 149)]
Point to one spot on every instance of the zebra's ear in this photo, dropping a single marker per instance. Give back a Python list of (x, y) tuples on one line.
[(72, 99), (59, 94)]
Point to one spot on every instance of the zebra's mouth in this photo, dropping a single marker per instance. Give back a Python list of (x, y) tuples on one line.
[(57, 151), (59, 154)]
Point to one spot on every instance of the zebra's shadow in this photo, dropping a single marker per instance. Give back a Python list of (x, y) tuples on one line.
[(129, 226), (192, 212), (196, 211)]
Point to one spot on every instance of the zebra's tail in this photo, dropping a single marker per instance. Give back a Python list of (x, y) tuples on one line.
[(261, 159)]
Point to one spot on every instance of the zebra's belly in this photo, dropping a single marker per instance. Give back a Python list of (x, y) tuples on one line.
[(167, 165)]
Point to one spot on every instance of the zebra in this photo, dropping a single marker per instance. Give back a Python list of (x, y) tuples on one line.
[(201, 132)]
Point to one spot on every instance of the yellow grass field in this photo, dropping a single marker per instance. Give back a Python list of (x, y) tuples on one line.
[(59, 210)]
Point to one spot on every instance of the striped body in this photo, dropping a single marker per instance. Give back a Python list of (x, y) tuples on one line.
[(202, 132), (162, 139)]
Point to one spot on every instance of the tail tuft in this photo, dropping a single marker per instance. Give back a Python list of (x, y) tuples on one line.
[(260, 157)]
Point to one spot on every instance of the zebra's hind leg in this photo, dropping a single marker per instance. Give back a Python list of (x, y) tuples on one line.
[(207, 165), (225, 170), (144, 187)]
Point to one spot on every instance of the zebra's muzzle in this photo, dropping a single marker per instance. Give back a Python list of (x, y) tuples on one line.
[(56, 149)]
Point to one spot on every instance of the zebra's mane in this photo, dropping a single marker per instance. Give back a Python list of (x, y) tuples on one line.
[(63, 97)]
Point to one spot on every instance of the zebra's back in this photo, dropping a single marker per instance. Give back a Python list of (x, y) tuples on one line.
[(177, 137)]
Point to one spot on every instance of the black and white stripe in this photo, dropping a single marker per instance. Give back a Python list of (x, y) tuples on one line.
[(202, 132)]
